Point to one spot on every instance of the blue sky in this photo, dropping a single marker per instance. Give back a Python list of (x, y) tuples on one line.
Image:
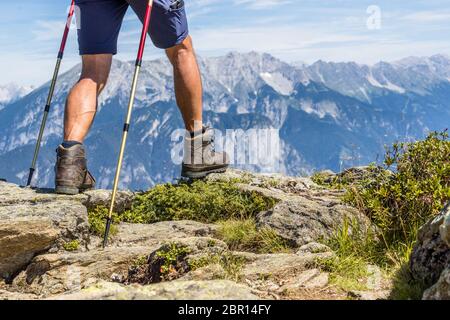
[(292, 30)]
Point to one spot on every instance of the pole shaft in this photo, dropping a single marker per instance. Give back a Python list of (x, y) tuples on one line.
[(124, 141), (46, 111), (126, 127), (51, 92)]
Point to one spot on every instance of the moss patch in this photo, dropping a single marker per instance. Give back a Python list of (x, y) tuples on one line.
[(71, 245), (200, 201)]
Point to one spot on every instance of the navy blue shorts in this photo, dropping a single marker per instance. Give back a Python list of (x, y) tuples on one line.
[(100, 22)]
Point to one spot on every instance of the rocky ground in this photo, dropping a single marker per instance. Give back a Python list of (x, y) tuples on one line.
[(48, 252)]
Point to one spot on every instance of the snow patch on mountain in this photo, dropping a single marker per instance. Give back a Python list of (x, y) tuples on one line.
[(12, 92), (321, 109), (388, 85), (278, 82)]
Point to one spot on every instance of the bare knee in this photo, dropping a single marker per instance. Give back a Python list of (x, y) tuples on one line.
[(95, 70), (181, 52)]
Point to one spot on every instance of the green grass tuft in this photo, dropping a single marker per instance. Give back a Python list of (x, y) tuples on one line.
[(404, 287), (231, 264), (243, 235)]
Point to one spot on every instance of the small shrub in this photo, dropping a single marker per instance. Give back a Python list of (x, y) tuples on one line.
[(400, 203), (243, 235), (325, 179), (170, 258), (139, 262)]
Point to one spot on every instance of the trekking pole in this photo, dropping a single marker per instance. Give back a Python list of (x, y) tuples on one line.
[(51, 91), (126, 126)]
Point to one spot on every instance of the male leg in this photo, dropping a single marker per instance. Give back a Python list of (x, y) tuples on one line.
[(169, 31), (100, 22)]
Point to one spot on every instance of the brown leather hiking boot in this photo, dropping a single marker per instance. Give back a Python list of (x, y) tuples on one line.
[(71, 174), (200, 157)]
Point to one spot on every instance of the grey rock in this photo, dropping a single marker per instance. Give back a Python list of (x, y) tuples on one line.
[(305, 212), (303, 220), (431, 255), (209, 272), (8, 295), (51, 274), (441, 289), (175, 290), (369, 295), (33, 221), (445, 226), (95, 198), (20, 240), (308, 279), (144, 234), (277, 266)]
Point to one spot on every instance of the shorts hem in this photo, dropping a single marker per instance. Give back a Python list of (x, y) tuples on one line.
[(179, 40), (97, 50)]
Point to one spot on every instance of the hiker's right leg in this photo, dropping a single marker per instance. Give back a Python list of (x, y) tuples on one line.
[(71, 173), (99, 23), (81, 104)]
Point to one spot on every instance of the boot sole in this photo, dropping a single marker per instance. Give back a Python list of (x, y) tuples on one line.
[(67, 190), (201, 174), (71, 190)]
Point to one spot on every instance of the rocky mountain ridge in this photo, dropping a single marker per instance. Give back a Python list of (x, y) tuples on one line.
[(50, 252)]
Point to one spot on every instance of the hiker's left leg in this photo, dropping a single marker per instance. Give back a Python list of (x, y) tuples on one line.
[(169, 30), (200, 157), (188, 83)]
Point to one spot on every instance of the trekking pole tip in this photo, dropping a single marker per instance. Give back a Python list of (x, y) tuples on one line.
[(107, 229), (30, 177)]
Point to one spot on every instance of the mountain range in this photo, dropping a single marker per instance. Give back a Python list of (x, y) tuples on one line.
[(329, 115)]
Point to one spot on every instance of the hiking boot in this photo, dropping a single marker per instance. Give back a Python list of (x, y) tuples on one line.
[(200, 157), (71, 174)]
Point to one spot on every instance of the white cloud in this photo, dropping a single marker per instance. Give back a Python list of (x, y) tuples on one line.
[(428, 16), (261, 4)]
